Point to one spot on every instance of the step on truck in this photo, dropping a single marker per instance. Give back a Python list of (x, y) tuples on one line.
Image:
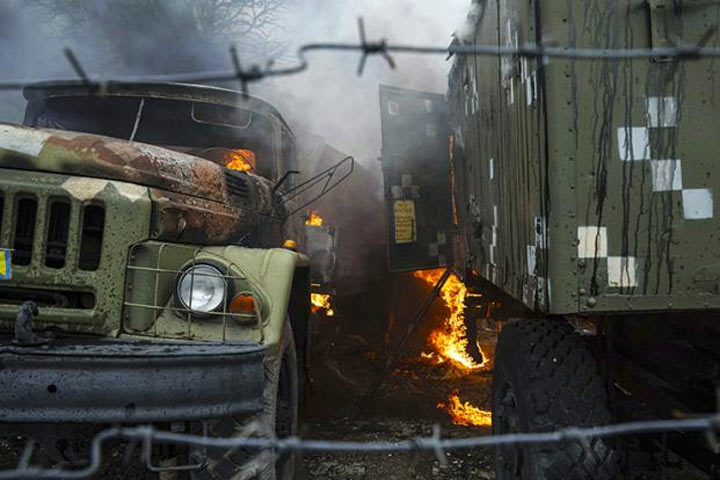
[(580, 195), (150, 273)]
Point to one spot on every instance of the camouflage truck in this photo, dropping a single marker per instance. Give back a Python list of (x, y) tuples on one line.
[(147, 275), (581, 198)]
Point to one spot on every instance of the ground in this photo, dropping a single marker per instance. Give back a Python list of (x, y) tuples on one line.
[(404, 407)]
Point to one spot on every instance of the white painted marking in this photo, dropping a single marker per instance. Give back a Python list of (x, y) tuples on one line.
[(633, 143), (393, 108), (492, 169), (531, 260), (22, 140), (540, 232), (130, 191), (431, 130), (662, 112), (666, 175), (592, 242), (531, 88), (83, 188), (697, 204), (621, 272)]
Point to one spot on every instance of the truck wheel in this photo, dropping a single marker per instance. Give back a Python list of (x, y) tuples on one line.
[(280, 416), (545, 379)]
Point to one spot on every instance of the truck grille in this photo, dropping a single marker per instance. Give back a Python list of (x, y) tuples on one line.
[(48, 220)]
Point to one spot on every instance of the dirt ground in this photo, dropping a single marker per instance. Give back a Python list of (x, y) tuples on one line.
[(404, 407)]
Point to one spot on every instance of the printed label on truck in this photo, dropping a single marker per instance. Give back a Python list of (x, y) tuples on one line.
[(5, 265), (405, 229)]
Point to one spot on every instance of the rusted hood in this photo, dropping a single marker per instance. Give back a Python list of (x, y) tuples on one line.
[(109, 158)]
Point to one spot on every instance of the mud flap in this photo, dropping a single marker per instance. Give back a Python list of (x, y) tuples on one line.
[(416, 171)]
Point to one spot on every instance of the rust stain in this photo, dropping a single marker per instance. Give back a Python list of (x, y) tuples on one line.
[(139, 163)]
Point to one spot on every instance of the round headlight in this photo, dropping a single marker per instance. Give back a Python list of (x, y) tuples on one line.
[(201, 288)]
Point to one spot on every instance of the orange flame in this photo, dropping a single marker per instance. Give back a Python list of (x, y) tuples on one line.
[(314, 219), (465, 414), (240, 160), (450, 342), (322, 302)]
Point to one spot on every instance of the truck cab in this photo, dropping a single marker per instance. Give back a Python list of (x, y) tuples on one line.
[(149, 272)]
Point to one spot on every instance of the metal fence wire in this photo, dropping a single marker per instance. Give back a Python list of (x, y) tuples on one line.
[(366, 48), (148, 436)]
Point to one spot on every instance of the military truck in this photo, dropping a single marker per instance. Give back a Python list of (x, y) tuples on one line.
[(581, 199), (150, 272)]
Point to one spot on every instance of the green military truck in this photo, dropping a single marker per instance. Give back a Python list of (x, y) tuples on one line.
[(582, 201), (149, 273)]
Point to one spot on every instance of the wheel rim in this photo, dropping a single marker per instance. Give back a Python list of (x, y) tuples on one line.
[(508, 421)]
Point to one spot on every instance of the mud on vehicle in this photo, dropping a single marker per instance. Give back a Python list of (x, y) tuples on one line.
[(579, 195), (146, 272)]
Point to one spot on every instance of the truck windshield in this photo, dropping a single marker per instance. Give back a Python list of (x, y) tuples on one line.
[(222, 134)]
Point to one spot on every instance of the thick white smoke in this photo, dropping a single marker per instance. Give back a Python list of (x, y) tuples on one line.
[(330, 99)]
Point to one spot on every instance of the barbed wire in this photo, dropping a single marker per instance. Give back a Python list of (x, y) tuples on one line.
[(435, 444), (384, 49)]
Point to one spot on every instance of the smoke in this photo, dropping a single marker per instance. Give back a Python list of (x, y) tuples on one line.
[(330, 99), (139, 37)]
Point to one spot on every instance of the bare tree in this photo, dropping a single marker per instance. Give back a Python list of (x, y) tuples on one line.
[(169, 35)]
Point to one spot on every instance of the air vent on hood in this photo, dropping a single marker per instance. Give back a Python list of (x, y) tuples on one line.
[(237, 185)]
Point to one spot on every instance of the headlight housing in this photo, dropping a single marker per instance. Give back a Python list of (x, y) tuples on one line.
[(201, 289)]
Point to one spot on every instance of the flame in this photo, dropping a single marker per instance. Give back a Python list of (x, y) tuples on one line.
[(450, 342), (240, 160), (314, 219), (465, 414), (321, 302)]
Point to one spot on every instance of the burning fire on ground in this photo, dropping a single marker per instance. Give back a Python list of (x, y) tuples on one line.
[(321, 303), (450, 344), (465, 414), (314, 219), (240, 160)]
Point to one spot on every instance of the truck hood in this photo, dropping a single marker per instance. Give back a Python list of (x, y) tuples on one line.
[(87, 155)]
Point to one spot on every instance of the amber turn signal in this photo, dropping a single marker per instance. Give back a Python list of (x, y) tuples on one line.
[(290, 245), (243, 303)]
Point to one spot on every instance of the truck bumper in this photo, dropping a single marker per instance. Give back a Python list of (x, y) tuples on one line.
[(128, 382)]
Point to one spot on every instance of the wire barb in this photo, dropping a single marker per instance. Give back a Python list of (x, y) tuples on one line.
[(75, 64), (372, 48)]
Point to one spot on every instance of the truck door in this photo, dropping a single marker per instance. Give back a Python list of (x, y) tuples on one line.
[(416, 171)]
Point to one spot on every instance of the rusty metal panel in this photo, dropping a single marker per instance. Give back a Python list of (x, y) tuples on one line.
[(416, 172), (591, 185)]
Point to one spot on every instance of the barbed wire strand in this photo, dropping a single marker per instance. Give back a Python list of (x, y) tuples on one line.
[(384, 49), (433, 444)]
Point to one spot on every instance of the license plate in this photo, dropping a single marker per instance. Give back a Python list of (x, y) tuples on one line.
[(5, 264)]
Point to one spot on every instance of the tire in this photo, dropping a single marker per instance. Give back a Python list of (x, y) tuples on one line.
[(545, 379), (279, 417)]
